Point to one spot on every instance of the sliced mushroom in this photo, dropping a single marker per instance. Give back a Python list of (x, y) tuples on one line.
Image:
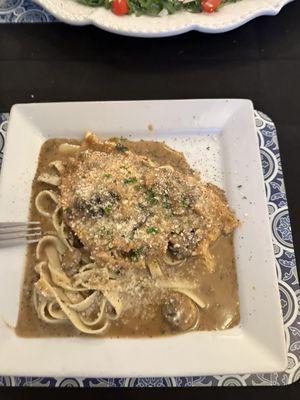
[(181, 246), (180, 312)]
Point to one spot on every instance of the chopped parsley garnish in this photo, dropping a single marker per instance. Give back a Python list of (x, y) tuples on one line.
[(152, 230), (120, 147), (131, 179), (107, 175), (166, 203), (135, 254), (139, 187), (185, 202), (107, 209), (151, 196)]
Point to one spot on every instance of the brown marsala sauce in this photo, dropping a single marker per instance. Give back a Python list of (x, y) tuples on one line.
[(218, 289)]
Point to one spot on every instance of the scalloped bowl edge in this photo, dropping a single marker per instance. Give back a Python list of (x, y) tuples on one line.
[(74, 13)]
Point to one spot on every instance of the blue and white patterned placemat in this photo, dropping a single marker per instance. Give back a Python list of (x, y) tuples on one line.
[(287, 278), (23, 11)]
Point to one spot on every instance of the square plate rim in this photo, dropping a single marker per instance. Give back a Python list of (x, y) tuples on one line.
[(21, 107)]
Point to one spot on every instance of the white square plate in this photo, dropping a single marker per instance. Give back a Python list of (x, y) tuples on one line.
[(219, 138)]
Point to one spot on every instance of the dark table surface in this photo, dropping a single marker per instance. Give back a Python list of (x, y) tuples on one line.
[(260, 61)]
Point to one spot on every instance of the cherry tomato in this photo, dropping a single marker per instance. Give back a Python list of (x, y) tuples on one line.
[(120, 7), (210, 6)]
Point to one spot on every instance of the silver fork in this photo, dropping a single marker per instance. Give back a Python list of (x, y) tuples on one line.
[(14, 233)]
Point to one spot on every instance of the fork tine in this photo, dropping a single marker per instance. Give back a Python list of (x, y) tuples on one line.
[(4, 231), (18, 224), (19, 233), (15, 242), (21, 236)]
